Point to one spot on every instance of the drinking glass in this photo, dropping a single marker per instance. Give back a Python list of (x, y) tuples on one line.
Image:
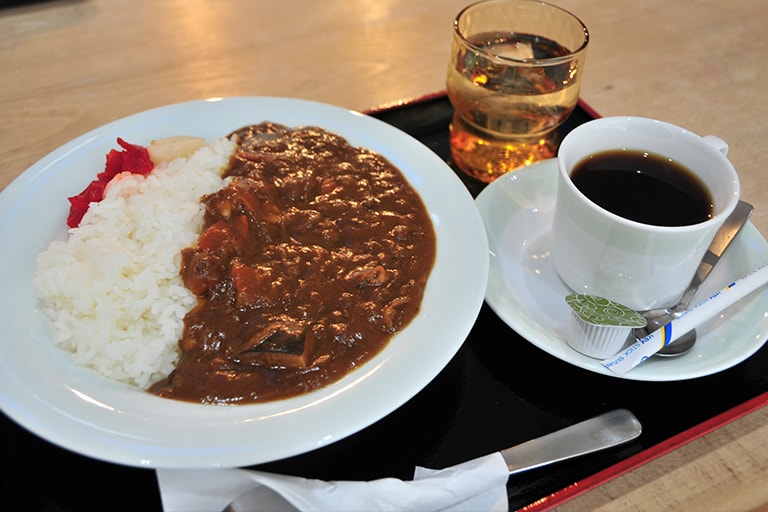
[(514, 76)]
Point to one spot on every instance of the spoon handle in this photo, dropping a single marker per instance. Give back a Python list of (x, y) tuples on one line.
[(604, 431), (720, 243)]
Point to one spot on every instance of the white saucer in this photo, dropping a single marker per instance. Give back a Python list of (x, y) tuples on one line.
[(525, 291)]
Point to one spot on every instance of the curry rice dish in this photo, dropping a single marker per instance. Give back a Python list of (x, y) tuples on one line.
[(311, 255)]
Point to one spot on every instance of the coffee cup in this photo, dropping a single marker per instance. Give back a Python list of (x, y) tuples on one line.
[(638, 203)]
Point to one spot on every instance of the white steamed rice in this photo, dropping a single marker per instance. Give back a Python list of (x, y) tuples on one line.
[(113, 289)]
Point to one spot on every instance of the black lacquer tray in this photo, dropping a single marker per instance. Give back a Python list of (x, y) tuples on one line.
[(498, 391)]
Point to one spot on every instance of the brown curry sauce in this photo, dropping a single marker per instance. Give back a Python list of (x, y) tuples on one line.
[(310, 260)]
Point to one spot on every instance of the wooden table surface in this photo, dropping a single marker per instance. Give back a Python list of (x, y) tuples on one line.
[(72, 65)]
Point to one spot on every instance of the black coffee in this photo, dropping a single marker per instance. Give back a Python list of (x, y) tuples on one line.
[(644, 187)]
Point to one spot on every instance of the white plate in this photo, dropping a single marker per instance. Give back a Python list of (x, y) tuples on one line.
[(526, 292), (45, 392)]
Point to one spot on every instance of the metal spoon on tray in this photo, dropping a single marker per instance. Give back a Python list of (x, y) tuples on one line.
[(659, 317)]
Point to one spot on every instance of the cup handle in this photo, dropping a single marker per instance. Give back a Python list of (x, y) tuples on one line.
[(717, 143)]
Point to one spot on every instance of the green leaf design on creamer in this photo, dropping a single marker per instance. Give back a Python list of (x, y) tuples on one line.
[(600, 311)]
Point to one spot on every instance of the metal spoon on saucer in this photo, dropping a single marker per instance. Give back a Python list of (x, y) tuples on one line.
[(658, 317)]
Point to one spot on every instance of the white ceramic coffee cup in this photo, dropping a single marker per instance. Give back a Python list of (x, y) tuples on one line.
[(639, 265)]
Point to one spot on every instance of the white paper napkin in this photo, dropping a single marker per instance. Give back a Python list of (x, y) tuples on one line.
[(478, 485)]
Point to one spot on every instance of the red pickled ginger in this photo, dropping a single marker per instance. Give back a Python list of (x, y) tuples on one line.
[(133, 158)]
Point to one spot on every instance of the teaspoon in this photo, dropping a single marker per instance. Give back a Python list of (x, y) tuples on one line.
[(659, 317)]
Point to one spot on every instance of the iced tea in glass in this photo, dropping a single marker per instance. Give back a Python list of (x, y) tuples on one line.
[(514, 75)]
